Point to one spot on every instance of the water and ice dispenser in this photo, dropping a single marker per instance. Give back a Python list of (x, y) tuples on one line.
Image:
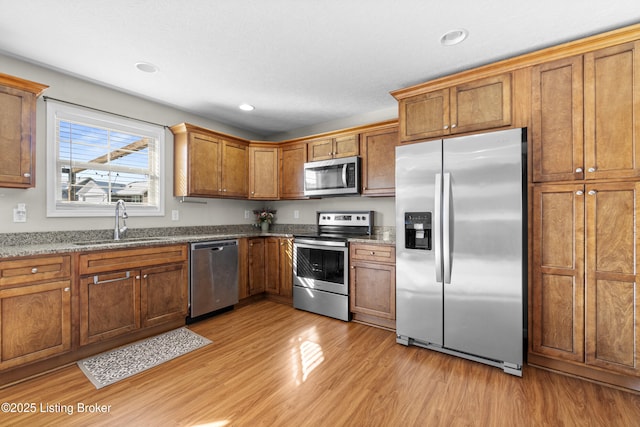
[(417, 230)]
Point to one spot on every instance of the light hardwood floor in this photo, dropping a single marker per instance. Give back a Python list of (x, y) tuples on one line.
[(271, 365)]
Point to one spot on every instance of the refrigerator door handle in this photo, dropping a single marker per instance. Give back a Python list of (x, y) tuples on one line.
[(437, 242), (446, 230)]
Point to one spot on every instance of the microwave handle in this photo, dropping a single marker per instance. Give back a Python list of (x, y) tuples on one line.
[(344, 175)]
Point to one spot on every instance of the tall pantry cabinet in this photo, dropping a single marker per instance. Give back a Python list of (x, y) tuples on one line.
[(584, 308)]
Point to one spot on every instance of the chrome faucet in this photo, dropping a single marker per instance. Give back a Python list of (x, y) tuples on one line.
[(118, 231)]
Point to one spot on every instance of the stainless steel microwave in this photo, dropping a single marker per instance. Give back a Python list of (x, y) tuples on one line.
[(335, 177)]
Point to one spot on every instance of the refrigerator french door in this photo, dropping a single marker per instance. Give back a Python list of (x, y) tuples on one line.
[(460, 265)]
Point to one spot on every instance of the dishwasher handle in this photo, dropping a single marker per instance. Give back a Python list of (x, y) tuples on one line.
[(215, 245)]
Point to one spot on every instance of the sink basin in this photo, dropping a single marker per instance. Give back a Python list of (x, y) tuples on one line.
[(115, 242)]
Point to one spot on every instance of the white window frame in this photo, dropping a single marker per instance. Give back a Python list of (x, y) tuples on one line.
[(64, 111)]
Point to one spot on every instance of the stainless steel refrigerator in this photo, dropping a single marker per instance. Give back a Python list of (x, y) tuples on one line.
[(460, 247)]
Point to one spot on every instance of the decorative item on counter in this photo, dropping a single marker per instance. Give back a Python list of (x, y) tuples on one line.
[(265, 217)]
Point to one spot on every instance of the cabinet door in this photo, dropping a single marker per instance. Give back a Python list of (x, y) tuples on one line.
[(373, 289), (286, 267), (263, 173), (272, 265), (17, 138), (612, 102), (424, 116), (109, 305), (346, 146), (321, 149), (36, 322), (234, 170), (613, 309), (204, 165), (256, 266), (163, 294), (557, 120), (557, 291), (481, 104), (292, 162), (378, 151)]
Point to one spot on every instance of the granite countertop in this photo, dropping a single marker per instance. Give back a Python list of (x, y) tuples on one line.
[(29, 244)]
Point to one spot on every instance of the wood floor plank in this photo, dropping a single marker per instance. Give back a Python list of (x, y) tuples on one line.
[(271, 365)]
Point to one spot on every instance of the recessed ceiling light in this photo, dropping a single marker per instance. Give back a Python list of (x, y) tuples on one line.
[(453, 37), (246, 107), (146, 67)]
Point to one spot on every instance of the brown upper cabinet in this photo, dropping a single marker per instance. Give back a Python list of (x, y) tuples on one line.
[(583, 120), (467, 107), (263, 172), (378, 151), (18, 131), (292, 160), (208, 164), (333, 148)]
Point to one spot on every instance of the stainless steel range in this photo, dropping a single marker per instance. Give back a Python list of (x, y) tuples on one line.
[(321, 263)]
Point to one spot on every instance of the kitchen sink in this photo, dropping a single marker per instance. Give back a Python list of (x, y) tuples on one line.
[(115, 242)]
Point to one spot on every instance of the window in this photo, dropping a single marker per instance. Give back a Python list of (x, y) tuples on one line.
[(95, 159)]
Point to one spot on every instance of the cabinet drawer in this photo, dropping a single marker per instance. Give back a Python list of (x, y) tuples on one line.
[(122, 259), (377, 253), (31, 270)]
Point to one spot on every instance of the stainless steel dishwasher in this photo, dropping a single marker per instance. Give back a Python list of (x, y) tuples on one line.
[(213, 277)]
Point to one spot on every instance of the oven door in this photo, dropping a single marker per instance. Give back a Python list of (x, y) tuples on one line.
[(322, 266)]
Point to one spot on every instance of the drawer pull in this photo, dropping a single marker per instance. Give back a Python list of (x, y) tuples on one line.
[(96, 280), (34, 270), (67, 289)]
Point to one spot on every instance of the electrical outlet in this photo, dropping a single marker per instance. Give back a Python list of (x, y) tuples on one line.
[(296, 214), (175, 215), (20, 213), (247, 214)]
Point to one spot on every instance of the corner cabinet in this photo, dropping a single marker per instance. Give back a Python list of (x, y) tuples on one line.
[(263, 172), (128, 289), (467, 107), (372, 284), (584, 308), (209, 164), (585, 120), (18, 131), (35, 309)]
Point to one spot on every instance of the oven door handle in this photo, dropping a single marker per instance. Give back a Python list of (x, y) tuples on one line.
[(316, 245)]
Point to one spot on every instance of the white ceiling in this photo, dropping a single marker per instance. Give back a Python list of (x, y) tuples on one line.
[(299, 62)]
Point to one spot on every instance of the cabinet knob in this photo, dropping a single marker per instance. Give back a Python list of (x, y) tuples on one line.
[(67, 289), (578, 170), (592, 169), (27, 175), (137, 277), (579, 193), (253, 192), (372, 253), (34, 270), (453, 126), (593, 192), (446, 127)]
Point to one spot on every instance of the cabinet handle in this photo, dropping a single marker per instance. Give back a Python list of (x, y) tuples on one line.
[(578, 170), (453, 126), (67, 289), (96, 278), (579, 193), (27, 175), (593, 192), (592, 169), (34, 270)]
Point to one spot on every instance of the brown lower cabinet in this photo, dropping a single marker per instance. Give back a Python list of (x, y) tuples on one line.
[(372, 284), (35, 309), (266, 266), (125, 290), (584, 303)]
